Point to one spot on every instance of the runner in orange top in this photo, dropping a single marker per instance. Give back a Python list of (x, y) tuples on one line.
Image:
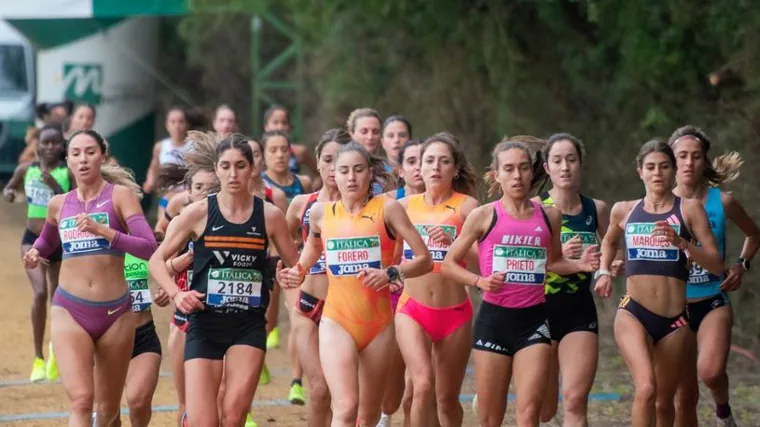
[(358, 234), (434, 314), (310, 301)]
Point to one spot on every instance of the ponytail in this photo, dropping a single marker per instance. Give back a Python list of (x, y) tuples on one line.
[(116, 174)]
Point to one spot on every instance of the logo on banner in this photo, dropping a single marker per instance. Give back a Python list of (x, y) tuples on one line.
[(83, 82)]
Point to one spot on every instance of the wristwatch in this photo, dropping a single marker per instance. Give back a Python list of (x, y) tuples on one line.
[(744, 263), (393, 273), (600, 273)]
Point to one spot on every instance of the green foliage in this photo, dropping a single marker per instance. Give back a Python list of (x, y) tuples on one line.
[(616, 73)]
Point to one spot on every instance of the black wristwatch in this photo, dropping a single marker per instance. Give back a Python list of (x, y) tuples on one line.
[(393, 273), (744, 263)]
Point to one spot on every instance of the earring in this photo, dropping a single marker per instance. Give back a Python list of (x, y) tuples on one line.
[(456, 176)]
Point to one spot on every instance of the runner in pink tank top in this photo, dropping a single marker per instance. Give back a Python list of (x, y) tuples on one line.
[(518, 242), (518, 248)]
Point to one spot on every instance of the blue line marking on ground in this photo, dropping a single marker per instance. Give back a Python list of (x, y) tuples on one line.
[(605, 397)]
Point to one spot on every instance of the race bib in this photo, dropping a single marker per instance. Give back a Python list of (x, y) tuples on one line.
[(38, 193), (346, 257), (234, 288), (587, 238), (700, 276), (75, 241), (320, 267), (437, 250), (642, 245), (522, 265), (139, 293)]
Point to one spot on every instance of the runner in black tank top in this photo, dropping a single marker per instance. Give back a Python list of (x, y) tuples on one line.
[(229, 264), (231, 232), (660, 230)]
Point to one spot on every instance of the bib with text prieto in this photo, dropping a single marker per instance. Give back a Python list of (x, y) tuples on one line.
[(523, 265)]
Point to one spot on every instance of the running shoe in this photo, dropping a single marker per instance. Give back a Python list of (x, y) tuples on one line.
[(249, 422), (265, 378), (184, 422), (273, 339), (475, 404), (296, 395), (38, 371), (94, 419), (726, 422), (51, 368), (385, 421)]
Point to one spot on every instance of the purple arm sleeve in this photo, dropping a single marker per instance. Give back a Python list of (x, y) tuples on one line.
[(48, 241), (140, 241)]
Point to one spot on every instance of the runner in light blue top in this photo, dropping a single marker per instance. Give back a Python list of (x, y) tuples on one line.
[(710, 315)]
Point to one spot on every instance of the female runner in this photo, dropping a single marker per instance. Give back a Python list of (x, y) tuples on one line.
[(276, 154), (710, 314), (364, 125), (569, 302), (518, 242), (225, 121), (91, 321), (356, 332), (277, 118), (41, 181), (649, 325), (433, 319), (226, 301), (396, 132), (200, 179), (168, 151), (398, 388), (311, 296), (83, 118)]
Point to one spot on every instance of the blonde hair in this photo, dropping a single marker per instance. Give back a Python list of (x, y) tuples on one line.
[(724, 168), (201, 156), (116, 174), (533, 147), (360, 113)]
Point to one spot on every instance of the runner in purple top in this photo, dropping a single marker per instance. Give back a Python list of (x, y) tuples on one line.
[(91, 318)]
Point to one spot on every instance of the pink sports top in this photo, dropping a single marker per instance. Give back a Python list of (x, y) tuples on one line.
[(520, 249)]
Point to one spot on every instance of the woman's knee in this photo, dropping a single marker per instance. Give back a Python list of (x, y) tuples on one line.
[(82, 401), (346, 409), (423, 386), (139, 400), (448, 403), (39, 295), (574, 402), (712, 376), (527, 412), (319, 395), (645, 392)]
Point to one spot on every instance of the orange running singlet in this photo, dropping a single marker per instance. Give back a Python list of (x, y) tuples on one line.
[(447, 215), (352, 243)]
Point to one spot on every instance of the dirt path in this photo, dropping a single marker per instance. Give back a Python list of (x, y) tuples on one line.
[(25, 404)]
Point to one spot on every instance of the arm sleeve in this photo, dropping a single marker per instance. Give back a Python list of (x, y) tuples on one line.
[(140, 241), (48, 241)]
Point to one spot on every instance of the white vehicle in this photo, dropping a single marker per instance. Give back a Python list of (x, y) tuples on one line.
[(17, 94)]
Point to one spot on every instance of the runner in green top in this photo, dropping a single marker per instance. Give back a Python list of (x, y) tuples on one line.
[(570, 305), (41, 180)]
